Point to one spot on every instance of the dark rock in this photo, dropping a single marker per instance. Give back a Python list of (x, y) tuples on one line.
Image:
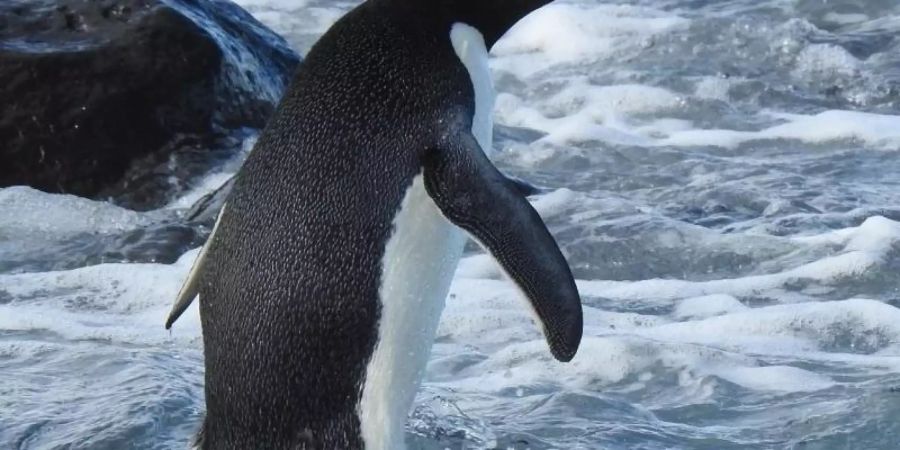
[(206, 210), (152, 181), (91, 91)]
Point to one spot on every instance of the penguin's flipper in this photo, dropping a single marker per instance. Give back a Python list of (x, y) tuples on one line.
[(475, 196), (191, 286), (525, 188)]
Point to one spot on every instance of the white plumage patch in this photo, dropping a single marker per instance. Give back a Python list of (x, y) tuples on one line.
[(469, 45), (417, 268), (418, 265)]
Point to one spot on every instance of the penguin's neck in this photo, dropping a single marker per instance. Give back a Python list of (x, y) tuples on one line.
[(417, 267)]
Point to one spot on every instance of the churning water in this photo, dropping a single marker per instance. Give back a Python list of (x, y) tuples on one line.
[(723, 176)]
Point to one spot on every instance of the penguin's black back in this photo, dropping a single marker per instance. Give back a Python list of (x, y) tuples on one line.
[(289, 298)]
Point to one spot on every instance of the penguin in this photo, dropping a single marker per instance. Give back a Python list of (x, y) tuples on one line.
[(323, 281)]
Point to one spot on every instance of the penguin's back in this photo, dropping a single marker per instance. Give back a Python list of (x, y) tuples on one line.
[(289, 300)]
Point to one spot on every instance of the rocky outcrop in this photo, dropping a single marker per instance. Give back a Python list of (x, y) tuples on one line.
[(92, 90)]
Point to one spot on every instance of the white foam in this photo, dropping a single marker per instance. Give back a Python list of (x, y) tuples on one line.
[(707, 306), (28, 211), (825, 61), (216, 178), (209, 183), (125, 303), (601, 124), (619, 347), (865, 246), (584, 112), (713, 88), (300, 22), (776, 378), (555, 203), (877, 130), (809, 329), (606, 102), (565, 33), (647, 115), (601, 361), (622, 349), (279, 5)]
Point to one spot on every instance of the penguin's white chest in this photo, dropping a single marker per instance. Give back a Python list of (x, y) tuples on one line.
[(417, 267)]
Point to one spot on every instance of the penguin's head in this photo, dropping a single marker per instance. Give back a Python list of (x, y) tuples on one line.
[(493, 18)]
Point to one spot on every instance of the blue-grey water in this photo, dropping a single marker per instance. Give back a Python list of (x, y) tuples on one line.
[(723, 177)]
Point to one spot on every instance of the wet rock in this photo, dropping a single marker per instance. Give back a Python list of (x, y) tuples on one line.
[(206, 210), (154, 180), (92, 92)]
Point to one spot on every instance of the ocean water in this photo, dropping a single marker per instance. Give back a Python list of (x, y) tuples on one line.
[(723, 176)]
